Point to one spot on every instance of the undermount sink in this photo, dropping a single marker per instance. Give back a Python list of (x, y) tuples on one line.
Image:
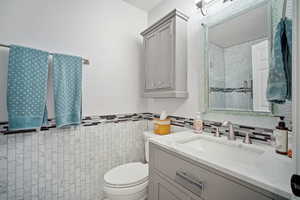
[(220, 149)]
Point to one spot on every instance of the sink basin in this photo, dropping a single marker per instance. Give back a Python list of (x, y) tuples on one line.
[(222, 150)]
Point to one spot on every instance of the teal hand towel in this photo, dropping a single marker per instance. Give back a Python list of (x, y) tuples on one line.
[(26, 87), (287, 55), (280, 74), (67, 77)]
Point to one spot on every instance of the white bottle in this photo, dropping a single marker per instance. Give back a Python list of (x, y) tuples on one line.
[(198, 123), (281, 135)]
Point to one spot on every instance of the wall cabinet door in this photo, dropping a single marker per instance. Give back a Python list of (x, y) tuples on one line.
[(165, 57), (159, 58), (151, 60), (166, 62)]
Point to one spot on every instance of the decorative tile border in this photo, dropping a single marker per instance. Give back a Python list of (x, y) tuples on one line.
[(230, 90), (86, 121), (261, 134)]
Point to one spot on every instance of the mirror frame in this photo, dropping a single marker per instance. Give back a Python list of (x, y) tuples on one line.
[(216, 22)]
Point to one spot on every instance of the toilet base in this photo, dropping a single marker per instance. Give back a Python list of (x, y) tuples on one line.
[(134, 193), (144, 198), (138, 192)]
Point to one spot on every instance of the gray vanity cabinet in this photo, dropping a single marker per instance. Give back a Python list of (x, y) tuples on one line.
[(175, 177), (165, 57)]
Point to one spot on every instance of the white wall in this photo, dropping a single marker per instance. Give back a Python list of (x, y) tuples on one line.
[(105, 31), (189, 106)]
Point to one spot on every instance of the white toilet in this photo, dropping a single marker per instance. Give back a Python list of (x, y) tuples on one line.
[(129, 181)]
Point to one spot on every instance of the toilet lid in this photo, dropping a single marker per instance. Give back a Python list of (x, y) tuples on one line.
[(127, 175)]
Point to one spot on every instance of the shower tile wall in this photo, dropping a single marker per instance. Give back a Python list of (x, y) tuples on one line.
[(66, 164), (224, 63), (239, 57), (216, 76)]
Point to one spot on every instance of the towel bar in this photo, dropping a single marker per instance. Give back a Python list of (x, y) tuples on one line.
[(84, 60)]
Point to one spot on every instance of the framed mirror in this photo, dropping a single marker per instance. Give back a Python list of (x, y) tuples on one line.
[(238, 56)]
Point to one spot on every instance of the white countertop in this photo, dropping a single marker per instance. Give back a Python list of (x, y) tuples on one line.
[(271, 171)]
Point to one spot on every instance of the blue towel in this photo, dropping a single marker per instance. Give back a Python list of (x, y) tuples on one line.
[(67, 77), (26, 87), (280, 74), (287, 55)]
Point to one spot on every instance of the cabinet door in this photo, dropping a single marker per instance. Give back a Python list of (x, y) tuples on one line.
[(151, 60), (165, 71), (163, 190), (159, 59)]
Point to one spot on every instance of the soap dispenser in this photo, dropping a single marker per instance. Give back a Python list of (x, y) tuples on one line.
[(281, 137), (198, 123)]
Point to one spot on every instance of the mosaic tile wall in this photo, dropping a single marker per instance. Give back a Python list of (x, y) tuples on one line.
[(68, 163)]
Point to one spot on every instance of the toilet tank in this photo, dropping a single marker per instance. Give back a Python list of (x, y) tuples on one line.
[(147, 136)]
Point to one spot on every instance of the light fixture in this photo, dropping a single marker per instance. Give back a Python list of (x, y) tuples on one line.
[(199, 4), (203, 4)]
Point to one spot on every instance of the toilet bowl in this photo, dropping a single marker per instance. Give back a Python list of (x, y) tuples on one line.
[(129, 181)]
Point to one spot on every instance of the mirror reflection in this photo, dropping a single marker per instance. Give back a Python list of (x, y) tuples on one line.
[(238, 61)]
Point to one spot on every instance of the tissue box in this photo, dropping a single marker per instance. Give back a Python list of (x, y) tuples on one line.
[(162, 127)]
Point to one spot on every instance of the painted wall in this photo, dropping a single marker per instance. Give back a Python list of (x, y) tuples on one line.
[(188, 107), (105, 31)]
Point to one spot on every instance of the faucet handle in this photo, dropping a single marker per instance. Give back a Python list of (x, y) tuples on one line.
[(217, 134), (231, 135), (226, 123), (248, 133)]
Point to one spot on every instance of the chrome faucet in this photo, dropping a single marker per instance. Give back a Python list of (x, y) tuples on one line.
[(248, 134), (231, 135)]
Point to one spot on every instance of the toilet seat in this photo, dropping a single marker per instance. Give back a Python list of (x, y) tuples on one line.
[(127, 175), (129, 181)]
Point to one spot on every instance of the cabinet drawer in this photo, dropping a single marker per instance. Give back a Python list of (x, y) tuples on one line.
[(203, 183), (161, 189)]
